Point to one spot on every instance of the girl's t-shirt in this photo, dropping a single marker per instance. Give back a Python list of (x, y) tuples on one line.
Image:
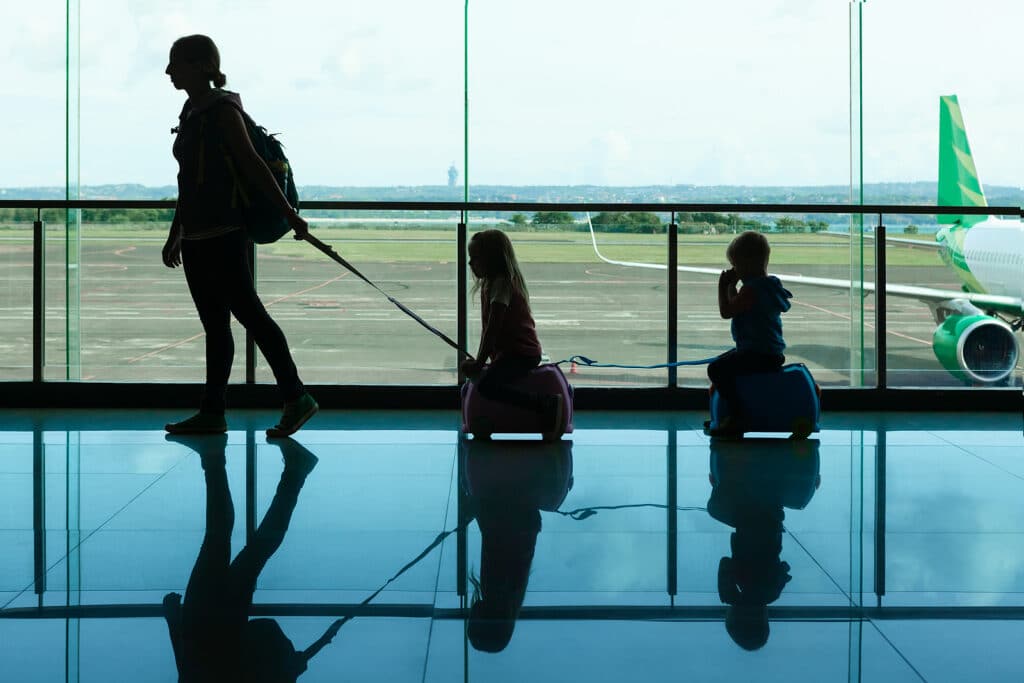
[(518, 336)]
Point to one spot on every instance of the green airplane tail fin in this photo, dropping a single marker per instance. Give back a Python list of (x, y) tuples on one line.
[(958, 178)]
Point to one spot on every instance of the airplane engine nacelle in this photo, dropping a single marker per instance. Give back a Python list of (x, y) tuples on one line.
[(977, 349)]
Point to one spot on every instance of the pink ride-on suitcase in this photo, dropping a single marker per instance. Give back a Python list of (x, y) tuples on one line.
[(787, 400), (482, 417)]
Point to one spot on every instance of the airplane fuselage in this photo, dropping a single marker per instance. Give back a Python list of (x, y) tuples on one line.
[(988, 257)]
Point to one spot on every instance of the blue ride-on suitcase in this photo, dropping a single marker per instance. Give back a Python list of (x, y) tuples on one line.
[(787, 400)]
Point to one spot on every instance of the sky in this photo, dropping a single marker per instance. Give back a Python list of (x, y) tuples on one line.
[(561, 92)]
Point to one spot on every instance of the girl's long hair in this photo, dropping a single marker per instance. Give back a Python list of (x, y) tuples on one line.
[(500, 261)]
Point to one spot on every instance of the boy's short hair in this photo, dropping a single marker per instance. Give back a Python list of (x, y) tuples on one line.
[(749, 247)]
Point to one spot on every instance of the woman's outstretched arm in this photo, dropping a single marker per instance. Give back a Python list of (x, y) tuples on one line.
[(254, 169)]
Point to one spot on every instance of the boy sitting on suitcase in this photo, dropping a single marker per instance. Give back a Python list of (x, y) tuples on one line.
[(756, 313)]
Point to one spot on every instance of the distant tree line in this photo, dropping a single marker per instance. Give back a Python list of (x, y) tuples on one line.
[(90, 215), (639, 222), (698, 223)]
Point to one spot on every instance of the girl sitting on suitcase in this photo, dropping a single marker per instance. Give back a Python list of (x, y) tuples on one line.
[(756, 311), (509, 335)]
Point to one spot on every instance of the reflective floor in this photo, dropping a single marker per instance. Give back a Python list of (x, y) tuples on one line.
[(886, 548)]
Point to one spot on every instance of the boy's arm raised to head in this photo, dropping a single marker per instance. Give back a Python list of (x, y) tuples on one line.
[(730, 301)]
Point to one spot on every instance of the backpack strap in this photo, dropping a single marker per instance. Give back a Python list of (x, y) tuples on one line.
[(202, 150)]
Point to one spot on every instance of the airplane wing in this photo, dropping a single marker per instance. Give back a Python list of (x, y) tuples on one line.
[(924, 244), (987, 302)]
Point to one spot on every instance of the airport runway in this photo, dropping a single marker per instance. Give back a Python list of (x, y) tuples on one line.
[(138, 323)]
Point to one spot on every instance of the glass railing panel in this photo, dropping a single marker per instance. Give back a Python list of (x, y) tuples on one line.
[(138, 322), (343, 331), (941, 337), (55, 351), (16, 293), (811, 254), (587, 305)]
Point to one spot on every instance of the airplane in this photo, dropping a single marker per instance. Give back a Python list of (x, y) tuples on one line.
[(975, 338)]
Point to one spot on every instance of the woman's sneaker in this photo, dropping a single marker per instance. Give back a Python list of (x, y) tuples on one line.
[(297, 458), (200, 423), (296, 413)]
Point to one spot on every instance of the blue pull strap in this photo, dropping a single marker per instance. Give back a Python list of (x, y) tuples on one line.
[(589, 362)]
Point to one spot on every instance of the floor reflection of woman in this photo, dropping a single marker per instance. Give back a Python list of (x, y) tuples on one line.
[(210, 631)]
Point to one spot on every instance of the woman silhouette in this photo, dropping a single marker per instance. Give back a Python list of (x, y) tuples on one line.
[(215, 156)]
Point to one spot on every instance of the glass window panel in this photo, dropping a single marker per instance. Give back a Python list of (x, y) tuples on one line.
[(349, 106), (32, 37), (583, 305), (903, 133), (599, 102), (340, 329), (812, 255)]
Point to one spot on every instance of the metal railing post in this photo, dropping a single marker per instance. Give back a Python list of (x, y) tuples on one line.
[(250, 341), (880, 507), (39, 510), (461, 283), (881, 350), (250, 485), (38, 297), (673, 300), (673, 515)]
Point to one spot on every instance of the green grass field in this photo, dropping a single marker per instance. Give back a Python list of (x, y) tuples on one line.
[(417, 244)]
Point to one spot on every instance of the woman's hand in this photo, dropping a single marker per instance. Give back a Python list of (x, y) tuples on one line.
[(299, 225), (472, 367), (172, 249), (172, 604)]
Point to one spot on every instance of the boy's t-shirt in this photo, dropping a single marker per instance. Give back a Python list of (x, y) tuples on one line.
[(759, 329), (518, 336)]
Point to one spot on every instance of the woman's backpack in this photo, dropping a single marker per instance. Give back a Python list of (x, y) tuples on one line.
[(264, 221)]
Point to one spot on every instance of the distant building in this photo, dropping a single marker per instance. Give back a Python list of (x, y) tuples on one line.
[(453, 175)]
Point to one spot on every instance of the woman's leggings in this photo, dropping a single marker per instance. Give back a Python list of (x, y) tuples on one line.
[(220, 281)]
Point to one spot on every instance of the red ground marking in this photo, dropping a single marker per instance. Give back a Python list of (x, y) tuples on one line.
[(178, 343), (866, 324)]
